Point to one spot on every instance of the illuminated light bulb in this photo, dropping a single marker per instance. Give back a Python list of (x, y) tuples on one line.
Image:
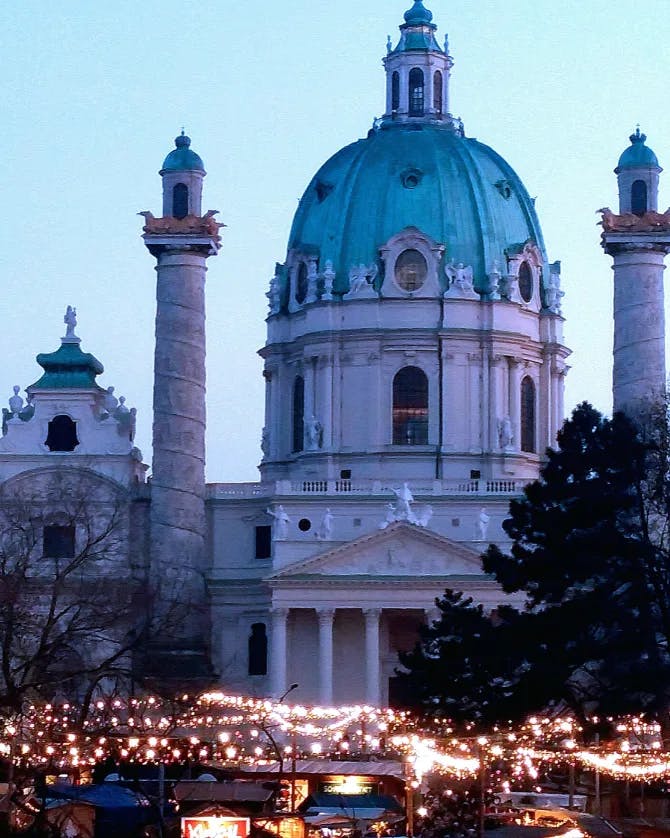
[(224, 737), (315, 747), (133, 742), (150, 754), (153, 741), (230, 753), (176, 753)]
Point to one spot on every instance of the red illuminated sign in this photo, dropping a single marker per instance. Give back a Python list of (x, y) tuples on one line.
[(214, 827)]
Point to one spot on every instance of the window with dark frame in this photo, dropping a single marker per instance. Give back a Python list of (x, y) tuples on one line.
[(180, 200), (437, 92), (62, 434), (525, 282), (410, 407), (258, 650), (298, 417), (302, 284), (395, 91), (263, 542), (58, 541), (528, 415), (416, 85), (638, 198)]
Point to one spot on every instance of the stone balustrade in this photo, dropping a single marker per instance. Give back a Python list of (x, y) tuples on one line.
[(435, 488)]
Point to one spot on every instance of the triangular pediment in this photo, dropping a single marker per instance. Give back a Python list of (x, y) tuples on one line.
[(399, 550)]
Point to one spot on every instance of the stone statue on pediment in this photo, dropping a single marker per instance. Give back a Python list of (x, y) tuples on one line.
[(461, 282), (361, 279), (325, 531), (281, 522)]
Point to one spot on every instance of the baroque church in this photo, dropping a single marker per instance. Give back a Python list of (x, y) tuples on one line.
[(414, 369)]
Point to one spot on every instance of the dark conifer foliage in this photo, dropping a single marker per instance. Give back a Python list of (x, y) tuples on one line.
[(590, 575)]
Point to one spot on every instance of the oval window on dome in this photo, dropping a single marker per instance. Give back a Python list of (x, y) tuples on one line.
[(525, 282), (411, 270), (301, 284)]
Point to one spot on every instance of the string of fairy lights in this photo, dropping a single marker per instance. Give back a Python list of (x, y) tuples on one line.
[(236, 732)]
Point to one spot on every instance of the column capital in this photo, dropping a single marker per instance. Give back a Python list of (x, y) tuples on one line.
[(325, 615), (279, 613), (372, 614)]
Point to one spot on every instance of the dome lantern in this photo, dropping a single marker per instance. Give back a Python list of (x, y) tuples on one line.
[(637, 174), (182, 173), (417, 72)]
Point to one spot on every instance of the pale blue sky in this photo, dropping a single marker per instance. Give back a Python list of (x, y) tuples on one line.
[(93, 94)]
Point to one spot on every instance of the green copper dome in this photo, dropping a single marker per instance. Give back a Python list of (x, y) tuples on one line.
[(68, 368), (454, 189), (637, 154), (182, 159)]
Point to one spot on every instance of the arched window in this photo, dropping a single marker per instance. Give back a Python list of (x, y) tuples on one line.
[(62, 434), (395, 91), (410, 407), (528, 415), (180, 201), (638, 197), (437, 92), (416, 92), (298, 414), (525, 282), (301, 283), (258, 650)]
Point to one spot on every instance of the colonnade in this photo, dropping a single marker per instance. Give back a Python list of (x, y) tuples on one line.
[(370, 647)]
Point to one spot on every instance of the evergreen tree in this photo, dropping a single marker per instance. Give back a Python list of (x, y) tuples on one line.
[(590, 555)]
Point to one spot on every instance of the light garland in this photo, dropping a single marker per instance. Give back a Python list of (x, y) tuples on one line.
[(239, 731)]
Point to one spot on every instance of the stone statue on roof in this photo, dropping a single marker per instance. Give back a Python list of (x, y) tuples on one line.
[(70, 320)]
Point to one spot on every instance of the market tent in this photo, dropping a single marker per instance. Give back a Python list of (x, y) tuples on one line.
[(117, 809)]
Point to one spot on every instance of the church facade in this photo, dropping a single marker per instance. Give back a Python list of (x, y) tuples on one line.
[(414, 369)]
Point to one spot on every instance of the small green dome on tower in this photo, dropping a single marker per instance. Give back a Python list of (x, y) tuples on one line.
[(418, 15), (68, 368), (182, 159), (637, 154)]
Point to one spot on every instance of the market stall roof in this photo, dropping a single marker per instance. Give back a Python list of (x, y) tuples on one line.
[(381, 768), (363, 807)]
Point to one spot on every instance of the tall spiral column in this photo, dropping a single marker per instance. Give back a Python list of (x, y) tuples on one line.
[(181, 241)]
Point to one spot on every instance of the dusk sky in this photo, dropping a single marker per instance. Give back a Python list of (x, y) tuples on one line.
[(93, 95)]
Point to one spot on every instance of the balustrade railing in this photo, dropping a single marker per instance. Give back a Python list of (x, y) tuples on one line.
[(366, 487)]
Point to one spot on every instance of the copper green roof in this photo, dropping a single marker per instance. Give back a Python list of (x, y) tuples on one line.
[(182, 159), (454, 189), (68, 368), (418, 15), (637, 155)]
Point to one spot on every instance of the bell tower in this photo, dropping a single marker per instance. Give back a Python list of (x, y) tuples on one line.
[(638, 239), (181, 241)]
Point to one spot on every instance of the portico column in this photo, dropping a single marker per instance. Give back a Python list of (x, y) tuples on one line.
[(325, 616), (278, 650), (372, 663)]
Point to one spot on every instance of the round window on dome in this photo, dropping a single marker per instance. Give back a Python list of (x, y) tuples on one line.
[(411, 270), (525, 282)]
